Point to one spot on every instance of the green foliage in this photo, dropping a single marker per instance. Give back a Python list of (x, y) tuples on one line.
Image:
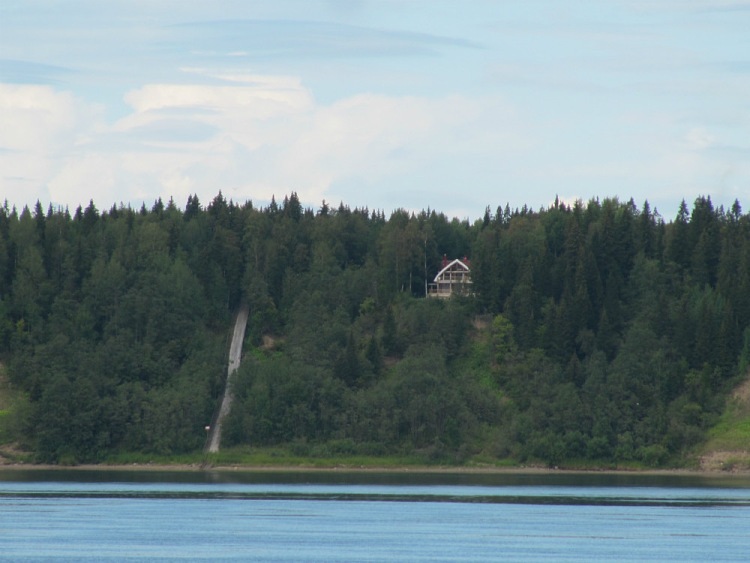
[(596, 331)]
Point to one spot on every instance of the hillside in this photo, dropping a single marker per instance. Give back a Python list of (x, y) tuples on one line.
[(593, 334), (728, 445)]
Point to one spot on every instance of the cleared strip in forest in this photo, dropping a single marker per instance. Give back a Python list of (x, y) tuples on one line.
[(235, 355)]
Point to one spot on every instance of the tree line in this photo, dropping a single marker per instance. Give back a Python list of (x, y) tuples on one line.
[(596, 331)]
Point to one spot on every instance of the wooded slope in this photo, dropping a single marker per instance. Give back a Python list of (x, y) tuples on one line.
[(598, 331)]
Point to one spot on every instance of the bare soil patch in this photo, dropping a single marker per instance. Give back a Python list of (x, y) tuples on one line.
[(727, 461)]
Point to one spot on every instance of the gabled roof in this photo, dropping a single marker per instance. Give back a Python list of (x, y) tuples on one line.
[(456, 262)]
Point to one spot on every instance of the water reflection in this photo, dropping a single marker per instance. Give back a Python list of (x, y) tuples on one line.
[(374, 477), (498, 488)]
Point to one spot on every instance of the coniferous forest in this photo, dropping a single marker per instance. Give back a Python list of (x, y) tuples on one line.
[(599, 331)]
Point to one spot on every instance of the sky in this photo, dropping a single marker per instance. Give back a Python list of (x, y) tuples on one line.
[(385, 104)]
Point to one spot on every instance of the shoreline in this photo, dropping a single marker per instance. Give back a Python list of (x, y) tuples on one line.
[(416, 470)]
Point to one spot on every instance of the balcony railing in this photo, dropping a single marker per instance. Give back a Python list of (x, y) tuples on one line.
[(447, 288)]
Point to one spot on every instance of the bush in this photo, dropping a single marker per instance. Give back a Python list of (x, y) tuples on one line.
[(654, 455)]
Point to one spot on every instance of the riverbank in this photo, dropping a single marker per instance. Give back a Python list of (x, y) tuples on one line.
[(416, 469), (721, 463)]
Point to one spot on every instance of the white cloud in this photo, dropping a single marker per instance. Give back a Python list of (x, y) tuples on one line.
[(258, 137), (33, 117), (253, 136), (82, 178), (267, 135), (260, 100), (41, 127)]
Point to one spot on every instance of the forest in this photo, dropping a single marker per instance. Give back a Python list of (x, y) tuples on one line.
[(595, 332)]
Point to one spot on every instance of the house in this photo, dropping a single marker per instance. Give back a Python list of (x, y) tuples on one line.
[(454, 278)]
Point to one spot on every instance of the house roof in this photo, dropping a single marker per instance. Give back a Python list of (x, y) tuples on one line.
[(449, 266)]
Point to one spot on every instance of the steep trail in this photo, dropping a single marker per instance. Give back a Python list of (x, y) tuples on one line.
[(235, 355)]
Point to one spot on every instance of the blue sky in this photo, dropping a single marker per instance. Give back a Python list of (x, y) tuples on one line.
[(379, 103)]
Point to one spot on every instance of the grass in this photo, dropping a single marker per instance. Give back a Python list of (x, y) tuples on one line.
[(141, 458), (268, 457), (727, 447), (286, 457), (732, 431), (309, 457)]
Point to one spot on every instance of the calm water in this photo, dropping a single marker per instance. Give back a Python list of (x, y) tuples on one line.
[(116, 516)]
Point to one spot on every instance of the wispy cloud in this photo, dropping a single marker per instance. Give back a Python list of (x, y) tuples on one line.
[(261, 39), (28, 72)]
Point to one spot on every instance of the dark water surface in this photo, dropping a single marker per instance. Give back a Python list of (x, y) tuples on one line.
[(277, 516)]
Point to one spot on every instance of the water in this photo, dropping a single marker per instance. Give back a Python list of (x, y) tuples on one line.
[(120, 516)]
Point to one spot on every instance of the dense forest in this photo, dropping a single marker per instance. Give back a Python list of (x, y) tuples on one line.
[(596, 331)]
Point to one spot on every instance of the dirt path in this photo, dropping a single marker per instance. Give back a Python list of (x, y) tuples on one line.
[(235, 355)]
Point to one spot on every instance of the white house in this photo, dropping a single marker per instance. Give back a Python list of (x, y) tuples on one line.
[(453, 279)]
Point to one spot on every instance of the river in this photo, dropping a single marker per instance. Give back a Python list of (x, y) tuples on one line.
[(337, 516)]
